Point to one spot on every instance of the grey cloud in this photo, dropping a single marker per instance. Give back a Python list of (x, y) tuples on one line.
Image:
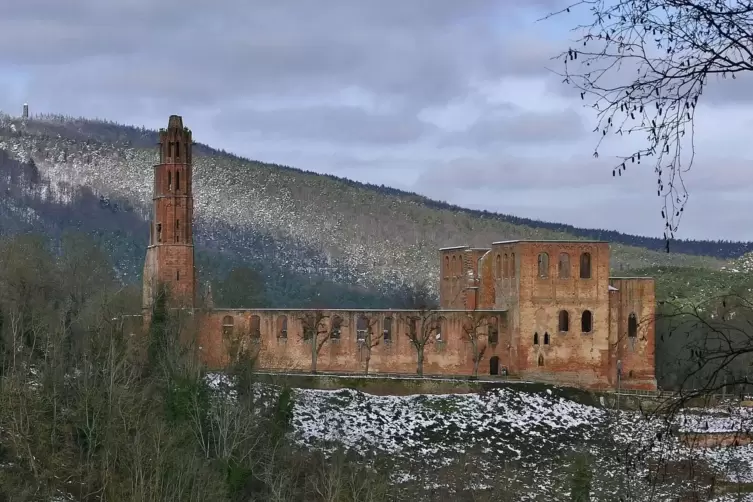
[(516, 127), (326, 123), (413, 52)]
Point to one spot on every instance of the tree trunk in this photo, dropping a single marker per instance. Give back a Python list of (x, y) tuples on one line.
[(420, 361), (476, 361), (368, 359)]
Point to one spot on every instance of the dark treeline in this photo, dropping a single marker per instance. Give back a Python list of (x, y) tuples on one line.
[(109, 132)]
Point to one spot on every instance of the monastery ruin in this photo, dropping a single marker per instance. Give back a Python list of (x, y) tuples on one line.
[(538, 310)]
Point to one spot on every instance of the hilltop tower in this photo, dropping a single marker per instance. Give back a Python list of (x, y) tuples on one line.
[(170, 255), (25, 112)]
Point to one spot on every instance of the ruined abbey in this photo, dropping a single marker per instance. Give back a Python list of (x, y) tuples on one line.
[(538, 310)]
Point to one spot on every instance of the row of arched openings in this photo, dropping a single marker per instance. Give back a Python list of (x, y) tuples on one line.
[(281, 324), (586, 321), (453, 267), (563, 266), (504, 265)]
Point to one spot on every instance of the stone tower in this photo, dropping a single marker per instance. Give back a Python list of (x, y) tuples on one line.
[(170, 255)]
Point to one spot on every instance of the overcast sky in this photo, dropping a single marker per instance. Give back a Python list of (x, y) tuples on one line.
[(451, 99)]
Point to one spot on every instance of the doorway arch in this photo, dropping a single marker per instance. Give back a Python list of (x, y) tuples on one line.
[(494, 366)]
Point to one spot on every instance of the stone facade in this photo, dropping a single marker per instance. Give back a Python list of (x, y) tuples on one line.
[(541, 310)]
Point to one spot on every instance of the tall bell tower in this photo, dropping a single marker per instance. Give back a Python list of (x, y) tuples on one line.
[(170, 255)]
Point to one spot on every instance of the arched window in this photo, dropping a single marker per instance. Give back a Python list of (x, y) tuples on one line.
[(632, 325), (585, 266), (159, 232), (387, 329), (512, 264), (543, 265), (454, 266), (336, 327), (227, 325), (177, 180), (413, 327), (439, 326), (446, 266), (282, 326), (535, 338), (546, 338), (177, 150), (563, 266), (586, 321), (493, 331), (541, 359), (177, 230), (255, 327), (506, 266), (362, 325), (169, 180), (564, 321), (498, 267)]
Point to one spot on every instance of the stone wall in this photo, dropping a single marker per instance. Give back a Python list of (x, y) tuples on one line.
[(277, 336)]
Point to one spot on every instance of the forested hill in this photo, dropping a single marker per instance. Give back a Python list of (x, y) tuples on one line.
[(315, 238), (108, 131)]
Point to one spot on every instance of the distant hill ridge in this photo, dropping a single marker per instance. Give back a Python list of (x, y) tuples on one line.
[(302, 229), (102, 130)]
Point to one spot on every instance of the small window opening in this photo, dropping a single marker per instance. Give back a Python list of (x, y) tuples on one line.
[(177, 230), (227, 325), (255, 327), (177, 180), (454, 266), (362, 325), (387, 329), (506, 266), (498, 266), (282, 326), (541, 360), (564, 321), (336, 328), (413, 327), (586, 321), (543, 265), (446, 266), (512, 265), (177, 150), (632, 325), (177, 275), (159, 232), (585, 266), (439, 329), (169, 180), (535, 338), (564, 266), (546, 338), (493, 331)]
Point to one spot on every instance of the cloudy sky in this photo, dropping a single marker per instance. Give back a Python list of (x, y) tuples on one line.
[(447, 98)]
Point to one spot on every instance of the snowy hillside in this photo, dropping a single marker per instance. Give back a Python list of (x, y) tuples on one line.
[(523, 441), (279, 218)]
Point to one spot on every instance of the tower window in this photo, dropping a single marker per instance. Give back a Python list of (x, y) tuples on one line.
[(177, 150), (159, 232), (543, 265), (585, 266), (169, 180), (177, 275), (586, 321), (535, 338), (632, 325), (177, 230), (177, 180)]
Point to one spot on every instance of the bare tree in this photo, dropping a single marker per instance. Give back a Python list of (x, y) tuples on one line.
[(369, 337), (643, 66), (422, 329), (315, 332), (477, 337)]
